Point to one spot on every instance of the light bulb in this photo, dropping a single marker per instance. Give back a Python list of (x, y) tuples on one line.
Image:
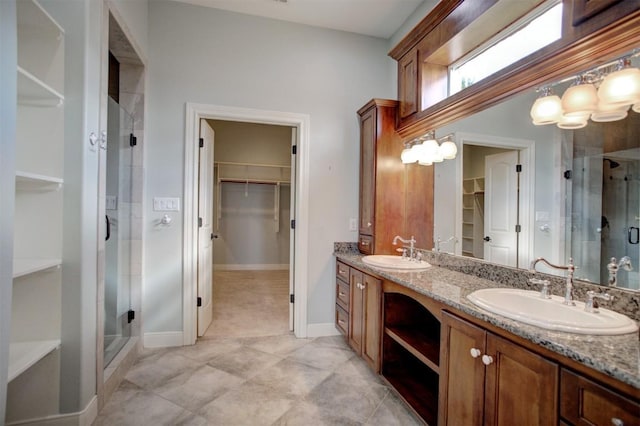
[(407, 157), (448, 150), (546, 110), (621, 87), (576, 122), (607, 113), (579, 100)]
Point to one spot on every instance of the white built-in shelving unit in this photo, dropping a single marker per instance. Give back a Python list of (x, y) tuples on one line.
[(34, 366), (473, 217)]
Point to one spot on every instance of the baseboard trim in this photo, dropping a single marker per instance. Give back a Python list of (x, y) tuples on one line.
[(163, 340), (250, 267), (322, 330), (85, 417)]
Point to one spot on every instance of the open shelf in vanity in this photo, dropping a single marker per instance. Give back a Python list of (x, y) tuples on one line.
[(411, 353)]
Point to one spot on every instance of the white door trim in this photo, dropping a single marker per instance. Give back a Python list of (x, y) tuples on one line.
[(527, 185), (194, 112)]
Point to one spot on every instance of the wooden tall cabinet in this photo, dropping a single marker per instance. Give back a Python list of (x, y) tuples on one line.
[(486, 379), (365, 313), (34, 356), (395, 199)]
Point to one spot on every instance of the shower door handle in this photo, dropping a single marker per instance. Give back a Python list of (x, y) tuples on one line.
[(106, 218), (634, 235)]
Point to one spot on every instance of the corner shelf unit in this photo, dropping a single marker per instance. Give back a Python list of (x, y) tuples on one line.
[(473, 217), (411, 353), (37, 259)]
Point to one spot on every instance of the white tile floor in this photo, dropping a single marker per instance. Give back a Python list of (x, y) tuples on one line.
[(275, 379)]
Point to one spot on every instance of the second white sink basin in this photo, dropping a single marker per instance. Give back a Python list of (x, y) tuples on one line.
[(530, 308), (395, 262)]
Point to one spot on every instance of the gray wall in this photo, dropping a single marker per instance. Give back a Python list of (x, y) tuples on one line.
[(215, 57)]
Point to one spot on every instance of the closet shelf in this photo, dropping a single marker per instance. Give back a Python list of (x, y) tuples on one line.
[(23, 355), (34, 92), (27, 179), (22, 267)]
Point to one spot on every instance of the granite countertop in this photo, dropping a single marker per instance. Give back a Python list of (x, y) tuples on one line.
[(616, 356)]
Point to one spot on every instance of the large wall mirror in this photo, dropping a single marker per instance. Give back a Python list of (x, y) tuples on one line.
[(577, 194)]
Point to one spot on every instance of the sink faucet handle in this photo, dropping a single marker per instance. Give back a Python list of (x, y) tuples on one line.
[(591, 304), (544, 291)]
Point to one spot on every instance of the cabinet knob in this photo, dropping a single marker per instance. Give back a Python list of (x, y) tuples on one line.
[(475, 353), (487, 360), (616, 421), (364, 243), (368, 224), (341, 294)]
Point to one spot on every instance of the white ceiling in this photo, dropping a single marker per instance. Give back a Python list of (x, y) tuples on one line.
[(377, 18)]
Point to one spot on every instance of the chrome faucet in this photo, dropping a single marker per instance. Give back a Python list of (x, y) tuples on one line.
[(411, 243), (614, 265), (590, 305), (570, 268), (439, 241)]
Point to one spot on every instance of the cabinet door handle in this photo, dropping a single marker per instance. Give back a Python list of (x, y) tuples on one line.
[(475, 353), (368, 224), (487, 360), (341, 294), (364, 243), (341, 321), (616, 421)]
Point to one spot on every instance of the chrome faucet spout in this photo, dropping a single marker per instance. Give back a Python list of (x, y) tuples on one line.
[(411, 243), (614, 266), (570, 268)]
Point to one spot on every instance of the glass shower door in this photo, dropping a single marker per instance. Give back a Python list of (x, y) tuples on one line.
[(117, 303)]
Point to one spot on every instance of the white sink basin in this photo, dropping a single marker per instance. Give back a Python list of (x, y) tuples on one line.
[(387, 261), (530, 308)]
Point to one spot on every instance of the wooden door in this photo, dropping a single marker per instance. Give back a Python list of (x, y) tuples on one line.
[(521, 387), (356, 310), (408, 83), (367, 171), (501, 208), (372, 301), (462, 373), (205, 232)]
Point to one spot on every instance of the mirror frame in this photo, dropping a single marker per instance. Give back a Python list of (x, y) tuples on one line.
[(602, 37)]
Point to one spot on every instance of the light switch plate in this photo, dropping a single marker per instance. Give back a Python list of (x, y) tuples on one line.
[(166, 204), (353, 224)]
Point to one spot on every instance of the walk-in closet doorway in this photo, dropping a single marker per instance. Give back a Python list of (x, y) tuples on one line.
[(259, 187)]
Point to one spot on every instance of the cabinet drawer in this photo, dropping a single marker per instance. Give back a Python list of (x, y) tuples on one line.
[(342, 294), (365, 244), (342, 271), (342, 320), (583, 402)]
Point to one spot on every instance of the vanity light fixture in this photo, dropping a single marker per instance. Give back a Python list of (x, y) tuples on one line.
[(603, 94), (426, 149)]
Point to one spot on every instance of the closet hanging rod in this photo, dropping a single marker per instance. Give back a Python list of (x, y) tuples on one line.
[(257, 181), (230, 163)]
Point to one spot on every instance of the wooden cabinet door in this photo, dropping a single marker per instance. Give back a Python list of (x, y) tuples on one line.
[(372, 318), (356, 310), (462, 376), (408, 83), (368, 121), (521, 387)]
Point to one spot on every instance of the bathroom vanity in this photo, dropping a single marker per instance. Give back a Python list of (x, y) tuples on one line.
[(455, 363)]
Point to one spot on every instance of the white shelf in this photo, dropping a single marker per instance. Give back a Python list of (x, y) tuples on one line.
[(22, 267), (34, 92), (23, 355), (34, 179)]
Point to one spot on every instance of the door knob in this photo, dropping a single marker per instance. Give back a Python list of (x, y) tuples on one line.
[(487, 238), (487, 360), (475, 353)]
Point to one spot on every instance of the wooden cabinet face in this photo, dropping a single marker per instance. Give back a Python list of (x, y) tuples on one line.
[(356, 310), (584, 402), (408, 83), (371, 322), (521, 387), (489, 380), (367, 171), (462, 376)]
